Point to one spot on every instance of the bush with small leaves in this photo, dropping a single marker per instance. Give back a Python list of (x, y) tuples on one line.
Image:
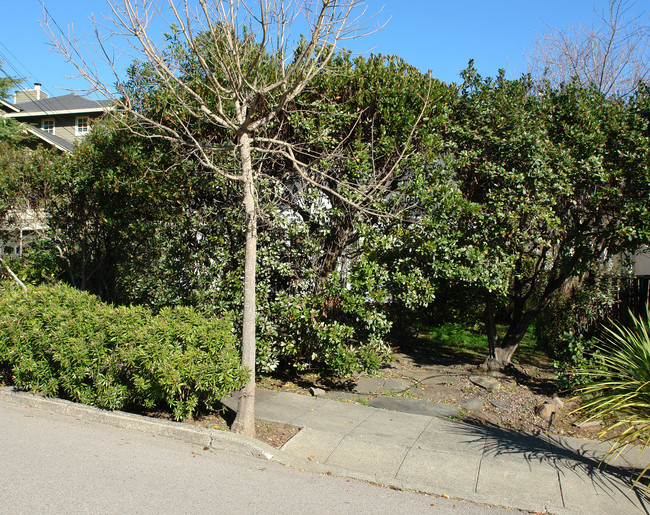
[(63, 342)]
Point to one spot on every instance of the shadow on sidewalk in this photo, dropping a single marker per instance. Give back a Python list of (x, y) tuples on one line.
[(585, 463)]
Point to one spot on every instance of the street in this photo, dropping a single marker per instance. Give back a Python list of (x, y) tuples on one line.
[(53, 463)]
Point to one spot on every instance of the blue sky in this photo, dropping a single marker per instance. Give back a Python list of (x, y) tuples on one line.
[(430, 34)]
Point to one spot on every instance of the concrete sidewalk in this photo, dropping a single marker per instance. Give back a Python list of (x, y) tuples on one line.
[(483, 464), (465, 461)]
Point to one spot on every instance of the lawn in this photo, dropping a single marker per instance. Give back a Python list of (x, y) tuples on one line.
[(456, 343)]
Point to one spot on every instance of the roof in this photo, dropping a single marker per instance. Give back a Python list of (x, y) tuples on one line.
[(31, 113), (7, 106), (66, 104), (51, 139)]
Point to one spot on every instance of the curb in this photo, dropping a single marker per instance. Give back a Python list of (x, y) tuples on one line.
[(215, 439)]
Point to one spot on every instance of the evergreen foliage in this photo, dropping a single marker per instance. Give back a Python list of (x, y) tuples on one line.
[(496, 194), (60, 341)]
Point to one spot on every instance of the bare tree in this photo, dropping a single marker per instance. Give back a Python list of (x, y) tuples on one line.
[(249, 69), (612, 54)]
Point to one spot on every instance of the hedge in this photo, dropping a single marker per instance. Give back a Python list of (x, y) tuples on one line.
[(63, 342)]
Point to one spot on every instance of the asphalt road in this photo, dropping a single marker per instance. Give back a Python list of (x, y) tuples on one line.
[(52, 463)]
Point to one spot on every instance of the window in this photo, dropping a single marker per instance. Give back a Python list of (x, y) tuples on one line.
[(81, 126), (48, 126)]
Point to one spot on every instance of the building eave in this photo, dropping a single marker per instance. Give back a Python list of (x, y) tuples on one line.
[(53, 113), (9, 106)]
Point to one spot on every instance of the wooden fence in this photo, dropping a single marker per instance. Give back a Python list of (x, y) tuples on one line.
[(633, 296)]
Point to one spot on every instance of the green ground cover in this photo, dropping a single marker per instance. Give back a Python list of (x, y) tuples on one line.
[(455, 341)]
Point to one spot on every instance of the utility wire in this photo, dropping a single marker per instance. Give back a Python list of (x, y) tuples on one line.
[(54, 99), (65, 36), (10, 60)]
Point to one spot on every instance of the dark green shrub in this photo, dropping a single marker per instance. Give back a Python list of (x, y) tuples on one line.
[(569, 327), (579, 353), (337, 332), (39, 263), (60, 341), (579, 308)]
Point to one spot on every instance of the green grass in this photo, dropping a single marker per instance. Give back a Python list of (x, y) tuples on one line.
[(455, 341)]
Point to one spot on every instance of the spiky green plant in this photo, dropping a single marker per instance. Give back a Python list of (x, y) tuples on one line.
[(618, 389)]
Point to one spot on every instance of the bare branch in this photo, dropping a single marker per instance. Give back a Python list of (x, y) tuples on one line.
[(613, 54), (12, 275), (218, 82)]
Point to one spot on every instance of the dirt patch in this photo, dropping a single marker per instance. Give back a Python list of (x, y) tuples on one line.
[(515, 405), (275, 434), (523, 389)]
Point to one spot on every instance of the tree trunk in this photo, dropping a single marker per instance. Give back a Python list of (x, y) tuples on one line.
[(12, 275), (245, 420), (341, 235), (501, 350)]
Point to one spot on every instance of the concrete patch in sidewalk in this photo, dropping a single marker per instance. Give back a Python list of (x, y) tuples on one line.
[(415, 406)]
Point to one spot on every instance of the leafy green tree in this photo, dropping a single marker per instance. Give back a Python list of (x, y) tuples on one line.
[(22, 177), (115, 193), (559, 181), (27, 178), (611, 55), (10, 130), (325, 314), (375, 118), (8, 83)]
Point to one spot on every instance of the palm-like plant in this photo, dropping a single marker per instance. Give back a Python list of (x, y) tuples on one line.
[(619, 385)]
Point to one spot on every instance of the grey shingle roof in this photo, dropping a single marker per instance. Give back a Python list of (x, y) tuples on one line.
[(52, 139), (63, 103)]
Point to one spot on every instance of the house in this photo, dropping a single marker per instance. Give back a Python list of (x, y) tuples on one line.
[(641, 262), (60, 121), (18, 230)]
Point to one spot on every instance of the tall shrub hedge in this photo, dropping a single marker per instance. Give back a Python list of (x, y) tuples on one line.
[(60, 341)]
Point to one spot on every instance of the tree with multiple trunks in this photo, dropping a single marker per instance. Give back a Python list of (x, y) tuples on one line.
[(558, 180)]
